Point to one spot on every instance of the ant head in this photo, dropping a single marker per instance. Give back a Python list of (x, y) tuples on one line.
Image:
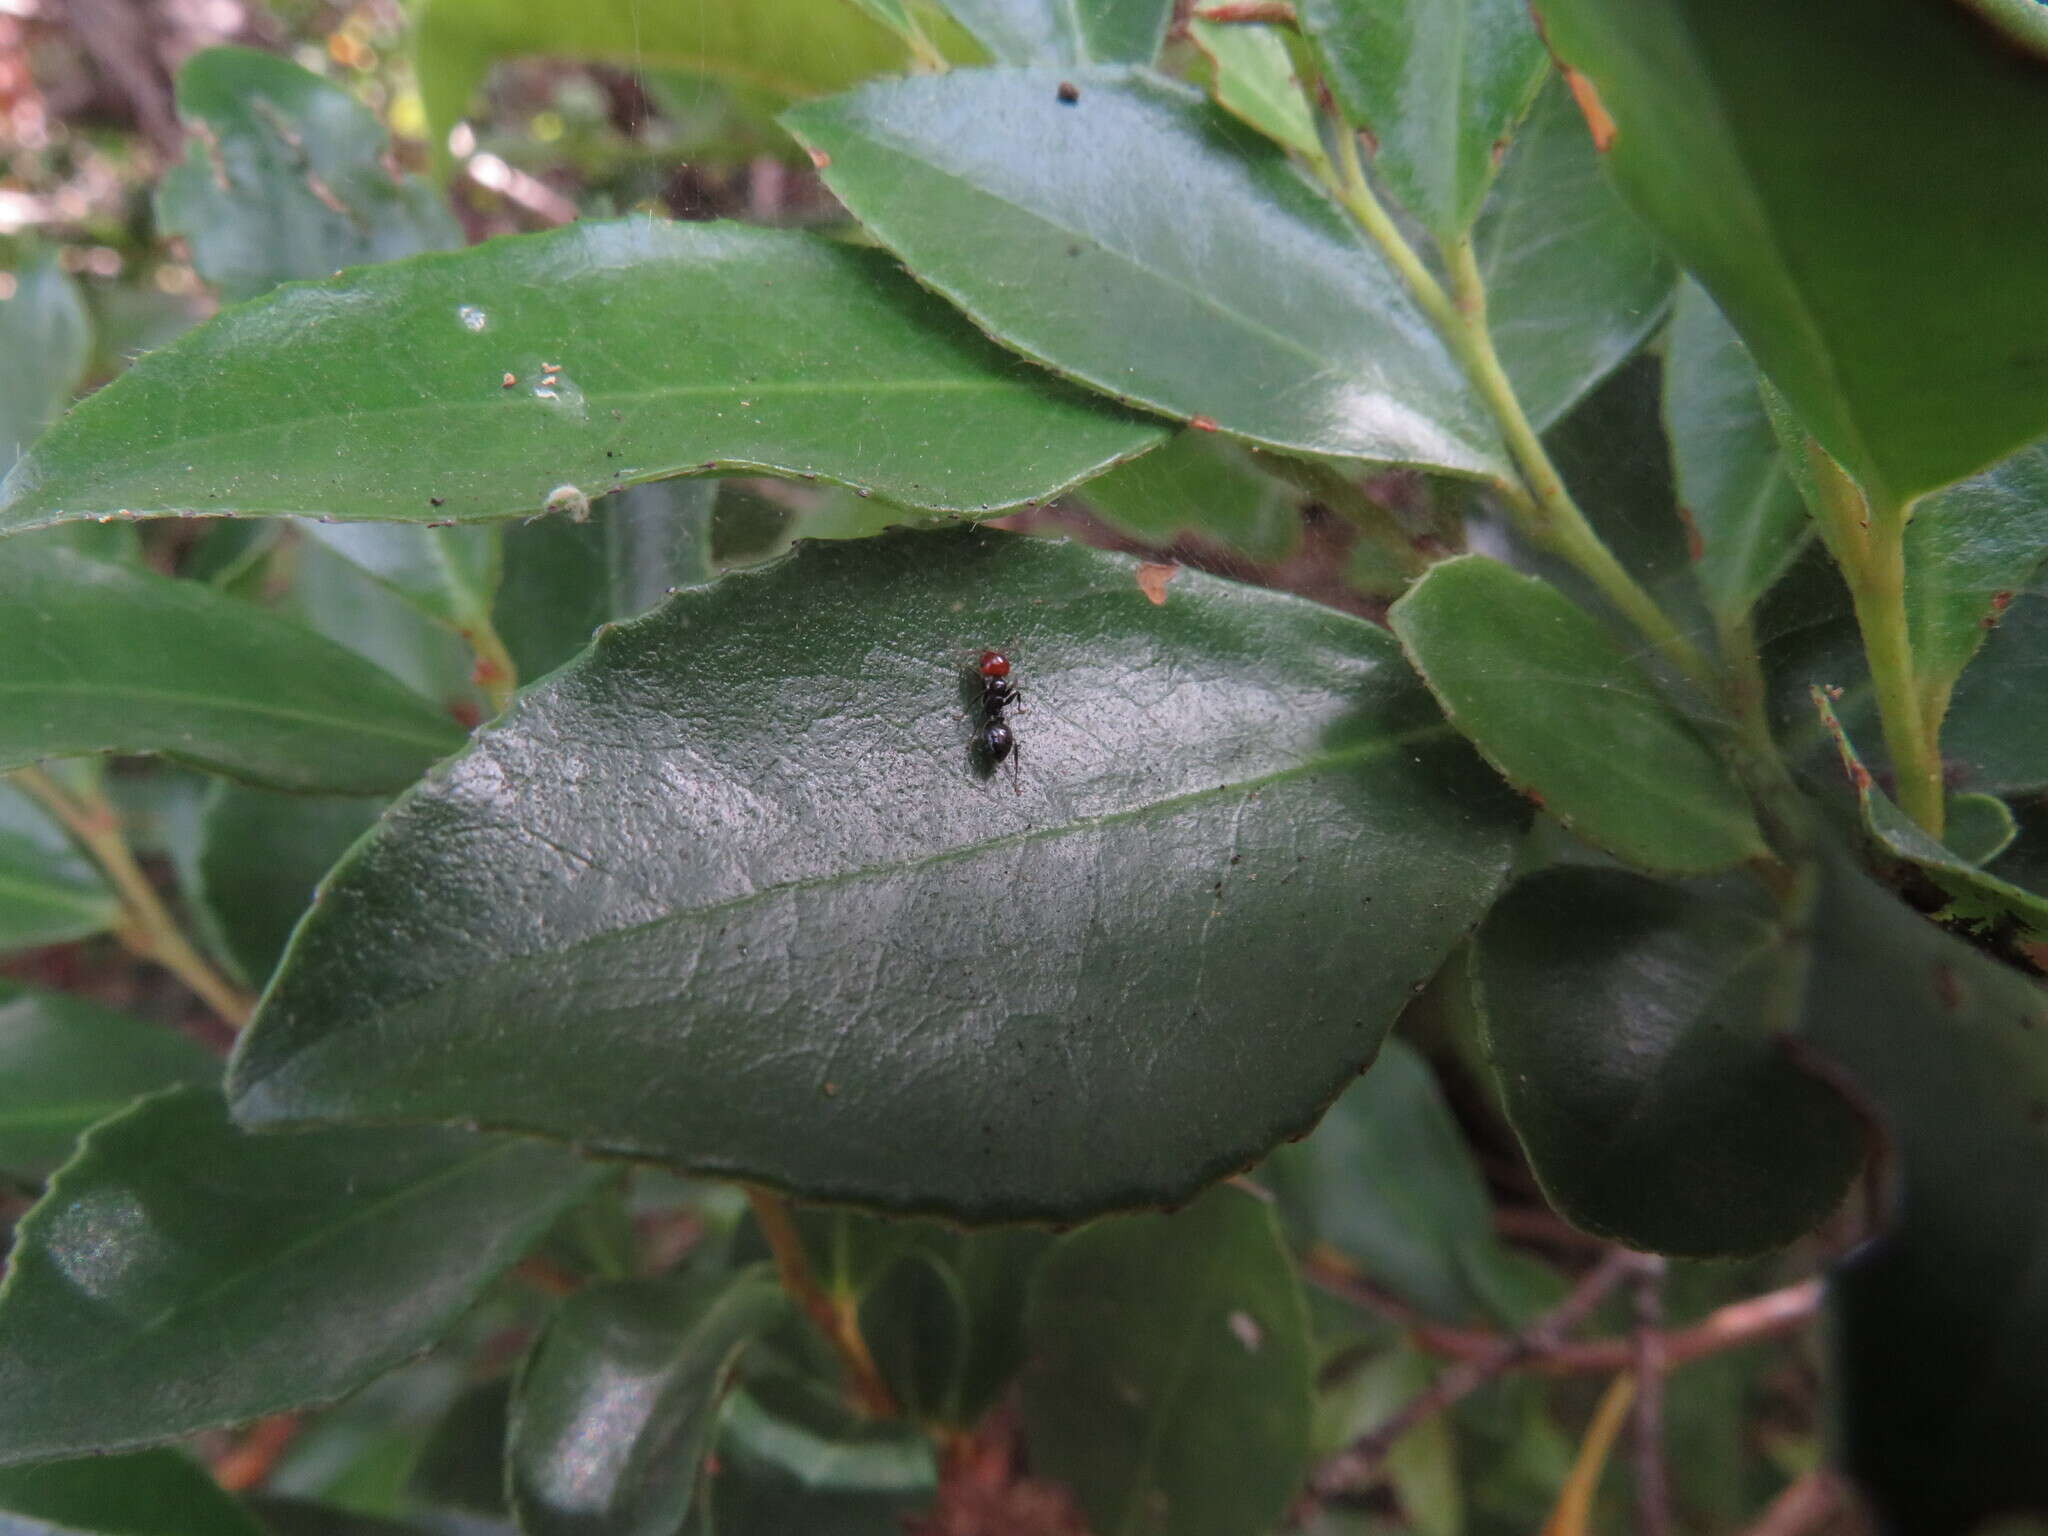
[(993, 664)]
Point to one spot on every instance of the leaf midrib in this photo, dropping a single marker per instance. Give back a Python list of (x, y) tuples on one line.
[(440, 745)]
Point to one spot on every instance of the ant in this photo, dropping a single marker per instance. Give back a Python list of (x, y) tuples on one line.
[(994, 741)]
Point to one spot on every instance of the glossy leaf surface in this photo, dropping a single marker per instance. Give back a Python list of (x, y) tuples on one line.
[(1439, 82), (285, 178), (150, 1493), (1066, 31), (46, 336), (1574, 280), (260, 856), (1914, 358), (104, 658), (1562, 711), (380, 394), (1062, 228), (625, 916), (1252, 77), (180, 1274), (1635, 1028), (1744, 510), (66, 1064), (615, 1409), (1940, 1423), (49, 892), (1169, 1383)]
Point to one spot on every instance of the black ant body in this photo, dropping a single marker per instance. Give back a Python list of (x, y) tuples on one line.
[(994, 741)]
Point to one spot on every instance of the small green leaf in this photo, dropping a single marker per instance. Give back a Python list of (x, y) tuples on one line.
[(1941, 1424), (1637, 1031), (918, 1327), (1743, 508), (1039, 216), (1169, 1383), (381, 394), (1253, 78), (1440, 83), (1915, 358), (1422, 1465), (793, 1459), (1388, 1181), (449, 574), (1554, 703), (149, 1493), (614, 1411), (66, 1064), (104, 658), (260, 856), (674, 814), (1066, 31), (180, 1274), (49, 892), (1574, 281), (286, 178), (46, 337), (462, 1464), (1200, 482), (1979, 827)]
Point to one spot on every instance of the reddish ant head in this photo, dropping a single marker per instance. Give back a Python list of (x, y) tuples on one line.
[(994, 664)]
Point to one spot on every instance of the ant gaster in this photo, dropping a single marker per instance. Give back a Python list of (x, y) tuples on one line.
[(995, 740)]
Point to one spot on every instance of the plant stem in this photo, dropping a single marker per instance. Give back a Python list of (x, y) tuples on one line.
[(834, 1319), (147, 927), (496, 673), (924, 54), (1868, 541)]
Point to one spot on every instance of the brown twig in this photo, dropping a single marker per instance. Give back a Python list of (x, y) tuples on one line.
[(1358, 1463), (248, 1463), (1804, 1505), (837, 1323), (1653, 1491)]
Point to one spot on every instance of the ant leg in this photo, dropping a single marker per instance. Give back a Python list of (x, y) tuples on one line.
[(1016, 769)]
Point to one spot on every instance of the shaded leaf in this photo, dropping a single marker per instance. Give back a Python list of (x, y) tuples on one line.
[(1914, 358), (104, 658), (260, 856), (606, 903), (1061, 228), (1562, 711), (380, 394), (614, 1411), (1439, 82), (150, 1493), (462, 1464), (46, 337), (1422, 1465), (49, 892), (1202, 483), (180, 1274), (1636, 1029), (1574, 281), (449, 574), (1169, 1383), (1742, 506), (66, 1064), (285, 178), (1066, 31)]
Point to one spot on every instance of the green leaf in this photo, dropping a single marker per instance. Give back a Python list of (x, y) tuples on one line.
[(1422, 1465), (260, 856), (104, 658), (1913, 357), (1388, 1181), (1941, 1424), (66, 1064), (1440, 83), (1553, 702), (285, 178), (306, 1517), (1637, 1030), (449, 574), (1253, 78), (180, 1274), (49, 892), (1066, 31), (1979, 827), (150, 1493), (380, 394), (607, 895), (46, 337), (1169, 1384), (1744, 511), (794, 1460), (1203, 483), (1977, 899), (462, 1464), (1574, 281), (785, 49), (918, 1327), (613, 1413), (1042, 217)]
